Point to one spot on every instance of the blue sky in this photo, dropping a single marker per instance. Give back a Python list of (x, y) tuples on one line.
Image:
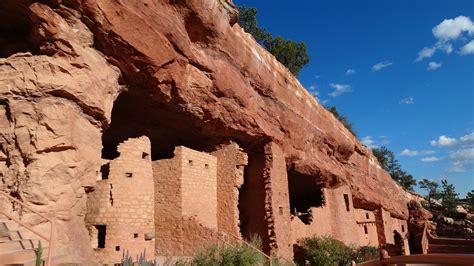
[(401, 70)]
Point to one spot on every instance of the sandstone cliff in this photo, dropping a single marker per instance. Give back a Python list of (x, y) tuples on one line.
[(80, 76)]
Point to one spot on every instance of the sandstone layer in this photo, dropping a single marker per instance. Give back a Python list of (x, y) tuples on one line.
[(80, 76)]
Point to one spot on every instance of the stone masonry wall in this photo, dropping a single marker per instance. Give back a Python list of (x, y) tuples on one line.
[(198, 185), (185, 202), (231, 161), (124, 204), (334, 219), (277, 201)]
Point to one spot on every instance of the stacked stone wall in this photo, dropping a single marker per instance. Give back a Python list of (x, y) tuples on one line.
[(122, 205)]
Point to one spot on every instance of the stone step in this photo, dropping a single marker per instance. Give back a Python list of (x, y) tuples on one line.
[(13, 256)]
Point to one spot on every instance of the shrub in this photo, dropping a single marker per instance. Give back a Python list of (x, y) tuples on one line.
[(228, 255), (325, 251), (365, 253)]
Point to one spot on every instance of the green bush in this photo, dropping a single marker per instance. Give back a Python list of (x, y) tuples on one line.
[(228, 255), (365, 253), (325, 251)]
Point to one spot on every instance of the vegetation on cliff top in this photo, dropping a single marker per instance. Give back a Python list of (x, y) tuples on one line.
[(291, 54), (390, 164)]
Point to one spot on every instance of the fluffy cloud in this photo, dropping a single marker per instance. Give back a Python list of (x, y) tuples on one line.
[(412, 153), (430, 159), (446, 32), (339, 89), (371, 143), (426, 52), (434, 65), (468, 48), (350, 71), (407, 100), (462, 154), (447, 141), (451, 29), (381, 65)]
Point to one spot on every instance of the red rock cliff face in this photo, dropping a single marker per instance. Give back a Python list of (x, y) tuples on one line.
[(186, 73)]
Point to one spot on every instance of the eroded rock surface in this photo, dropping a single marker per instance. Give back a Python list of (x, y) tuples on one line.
[(186, 73)]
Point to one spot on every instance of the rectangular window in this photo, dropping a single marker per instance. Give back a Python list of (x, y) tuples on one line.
[(403, 228), (98, 234), (105, 170), (367, 216), (128, 174), (346, 200), (366, 231)]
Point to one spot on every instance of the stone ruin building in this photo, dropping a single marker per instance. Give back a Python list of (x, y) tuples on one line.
[(162, 126)]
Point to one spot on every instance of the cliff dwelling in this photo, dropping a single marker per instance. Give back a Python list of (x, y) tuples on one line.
[(151, 139)]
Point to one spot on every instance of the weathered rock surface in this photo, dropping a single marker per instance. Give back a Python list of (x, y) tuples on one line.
[(192, 77)]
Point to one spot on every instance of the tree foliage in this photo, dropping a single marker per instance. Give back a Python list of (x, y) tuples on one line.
[(343, 119), (432, 188), (449, 197), (388, 162), (291, 54), (470, 199)]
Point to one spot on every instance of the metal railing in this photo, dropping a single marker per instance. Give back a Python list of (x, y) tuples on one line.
[(48, 239)]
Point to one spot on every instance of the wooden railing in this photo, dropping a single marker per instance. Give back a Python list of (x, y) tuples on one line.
[(437, 259), (48, 239)]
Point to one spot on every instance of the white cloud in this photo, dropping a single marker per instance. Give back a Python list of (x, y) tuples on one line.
[(443, 141), (468, 48), (407, 100), (451, 29), (430, 159), (462, 154), (426, 52), (457, 167), (350, 71), (371, 143), (339, 89), (434, 65), (410, 153), (447, 141), (381, 65), (445, 32)]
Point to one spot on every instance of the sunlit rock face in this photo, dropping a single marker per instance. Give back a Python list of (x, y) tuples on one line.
[(79, 77)]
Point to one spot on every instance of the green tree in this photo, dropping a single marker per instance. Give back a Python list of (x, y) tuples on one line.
[(291, 54), (470, 199), (449, 197), (390, 164), (432, 188), (343, 119)]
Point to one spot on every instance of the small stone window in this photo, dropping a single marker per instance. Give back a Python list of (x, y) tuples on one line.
[(145, 155), (403, 228), (190, 162), (280, 210), (104, 171), (366, 230), (206, 166), (346, 200), (117, 248), (129, 175), (97, 234), (367, 216), (135, 235)]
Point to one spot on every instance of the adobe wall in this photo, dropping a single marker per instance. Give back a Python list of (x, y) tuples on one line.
[(335, 220), (124, 203), (277, 202), (231, 161), (198, 185), (185, 202)]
